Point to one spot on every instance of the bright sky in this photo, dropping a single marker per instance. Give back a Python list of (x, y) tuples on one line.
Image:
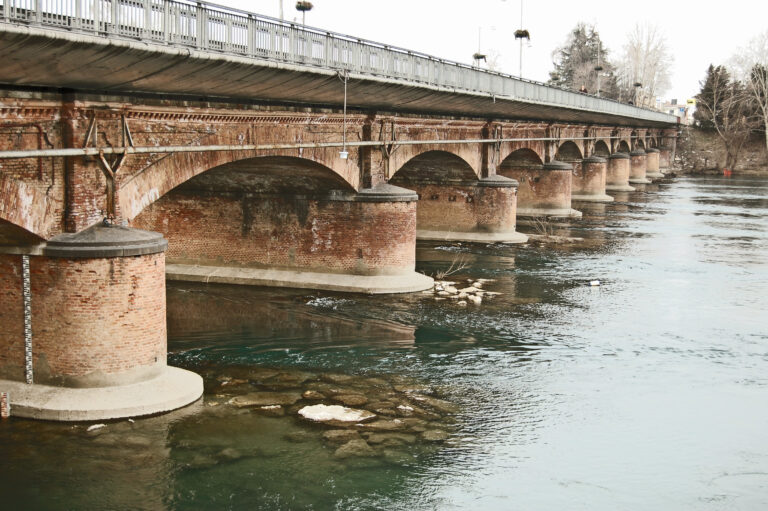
[(697, 32)]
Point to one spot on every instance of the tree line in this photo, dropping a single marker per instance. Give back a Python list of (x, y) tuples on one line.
[(641, 72), (733, 100)]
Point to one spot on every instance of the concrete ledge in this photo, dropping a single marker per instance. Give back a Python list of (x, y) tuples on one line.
[(479, 237), (592, 198), (619, 188), (550, 213), (654, 175), (640, 181), (368, 284), (173, 389)]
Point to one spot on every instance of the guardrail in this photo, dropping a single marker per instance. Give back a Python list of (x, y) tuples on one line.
[(212, 27)]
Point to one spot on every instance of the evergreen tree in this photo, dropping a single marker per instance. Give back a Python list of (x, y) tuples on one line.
[(576, 62), (714, 88)]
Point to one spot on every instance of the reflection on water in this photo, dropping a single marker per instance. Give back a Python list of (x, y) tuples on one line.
[(647, 392)]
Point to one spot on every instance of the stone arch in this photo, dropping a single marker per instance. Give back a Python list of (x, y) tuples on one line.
[(534, 150), (601, 149), (142, 188), (623, 147), (568, 151), (640, 144), (15, 235), (27, 214), (270, 175), (525, 158), (434, 166)]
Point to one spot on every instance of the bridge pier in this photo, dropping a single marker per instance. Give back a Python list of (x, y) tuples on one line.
[(665, 159), (653, 164), (637, 167), (617, 174), (94, 344), (589, 180), (545, 190), (361, 242), (482, 211)]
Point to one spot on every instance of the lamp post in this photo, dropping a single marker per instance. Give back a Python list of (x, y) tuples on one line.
[(521, 34), (303, 6), (598, 68), (637, 86)]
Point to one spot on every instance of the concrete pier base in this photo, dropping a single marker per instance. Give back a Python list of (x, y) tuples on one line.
[(173, 388), (554, 213), (476, 237), (592, 198), (367, 284)]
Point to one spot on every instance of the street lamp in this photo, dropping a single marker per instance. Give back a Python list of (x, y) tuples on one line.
[(598, 68), (521, 34), (303, 6)]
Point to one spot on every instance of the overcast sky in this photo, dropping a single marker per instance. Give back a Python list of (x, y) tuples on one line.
[(697, 32)]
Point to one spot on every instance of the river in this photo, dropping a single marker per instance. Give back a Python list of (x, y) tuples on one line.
[(649, 391)]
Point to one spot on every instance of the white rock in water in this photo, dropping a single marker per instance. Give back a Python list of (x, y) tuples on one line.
[(451, 289), (483, 281), (594, 282), (462, 295), (462, 303), (443, 293), (477, 284), (95, 427), (475, 299), (323, 413), (405, 408), (470, 289)]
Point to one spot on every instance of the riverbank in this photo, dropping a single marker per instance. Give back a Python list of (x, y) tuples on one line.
[(702, 153)]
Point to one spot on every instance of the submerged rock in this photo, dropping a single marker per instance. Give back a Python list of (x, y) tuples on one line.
[(265, 399), (355, 448), (434, 435), (312, 394), (341, 436), (391, 439), (351, 399), (335, 413), (384, 425)]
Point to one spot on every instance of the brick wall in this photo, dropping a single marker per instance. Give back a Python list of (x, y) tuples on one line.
[(617, 173), (637, 166), (284, 232), (11, 319)]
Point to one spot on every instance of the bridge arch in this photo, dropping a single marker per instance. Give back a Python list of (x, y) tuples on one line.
[(569, 151), (145, 186), (623, 146), (435, 166), (601, 149)]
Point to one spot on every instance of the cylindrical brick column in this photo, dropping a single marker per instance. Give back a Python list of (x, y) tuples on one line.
[(637, 166), (665, 160), (484, 210), (545, 190), (97, 320), (617, 174), (652, 163), (589, 180)]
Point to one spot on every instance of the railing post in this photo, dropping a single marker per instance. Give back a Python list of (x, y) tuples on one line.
[(115, 15), (146, 33), (38, 11), (200, 35), (251, 34), (166, 25)]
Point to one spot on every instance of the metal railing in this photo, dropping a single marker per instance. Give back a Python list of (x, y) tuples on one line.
[(211, 27)]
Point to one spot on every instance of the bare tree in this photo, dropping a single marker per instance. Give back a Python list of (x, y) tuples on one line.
[(727, 107), (752, 64), (644, 71)]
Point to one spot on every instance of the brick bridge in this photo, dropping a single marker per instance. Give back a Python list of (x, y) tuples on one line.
[(262, 152)]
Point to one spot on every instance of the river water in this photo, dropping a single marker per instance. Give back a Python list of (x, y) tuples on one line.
[(647, 392)]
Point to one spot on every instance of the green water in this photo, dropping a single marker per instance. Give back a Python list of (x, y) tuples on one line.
[(647, 392)]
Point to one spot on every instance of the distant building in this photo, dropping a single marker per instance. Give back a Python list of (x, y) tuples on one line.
[(682, 110)]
